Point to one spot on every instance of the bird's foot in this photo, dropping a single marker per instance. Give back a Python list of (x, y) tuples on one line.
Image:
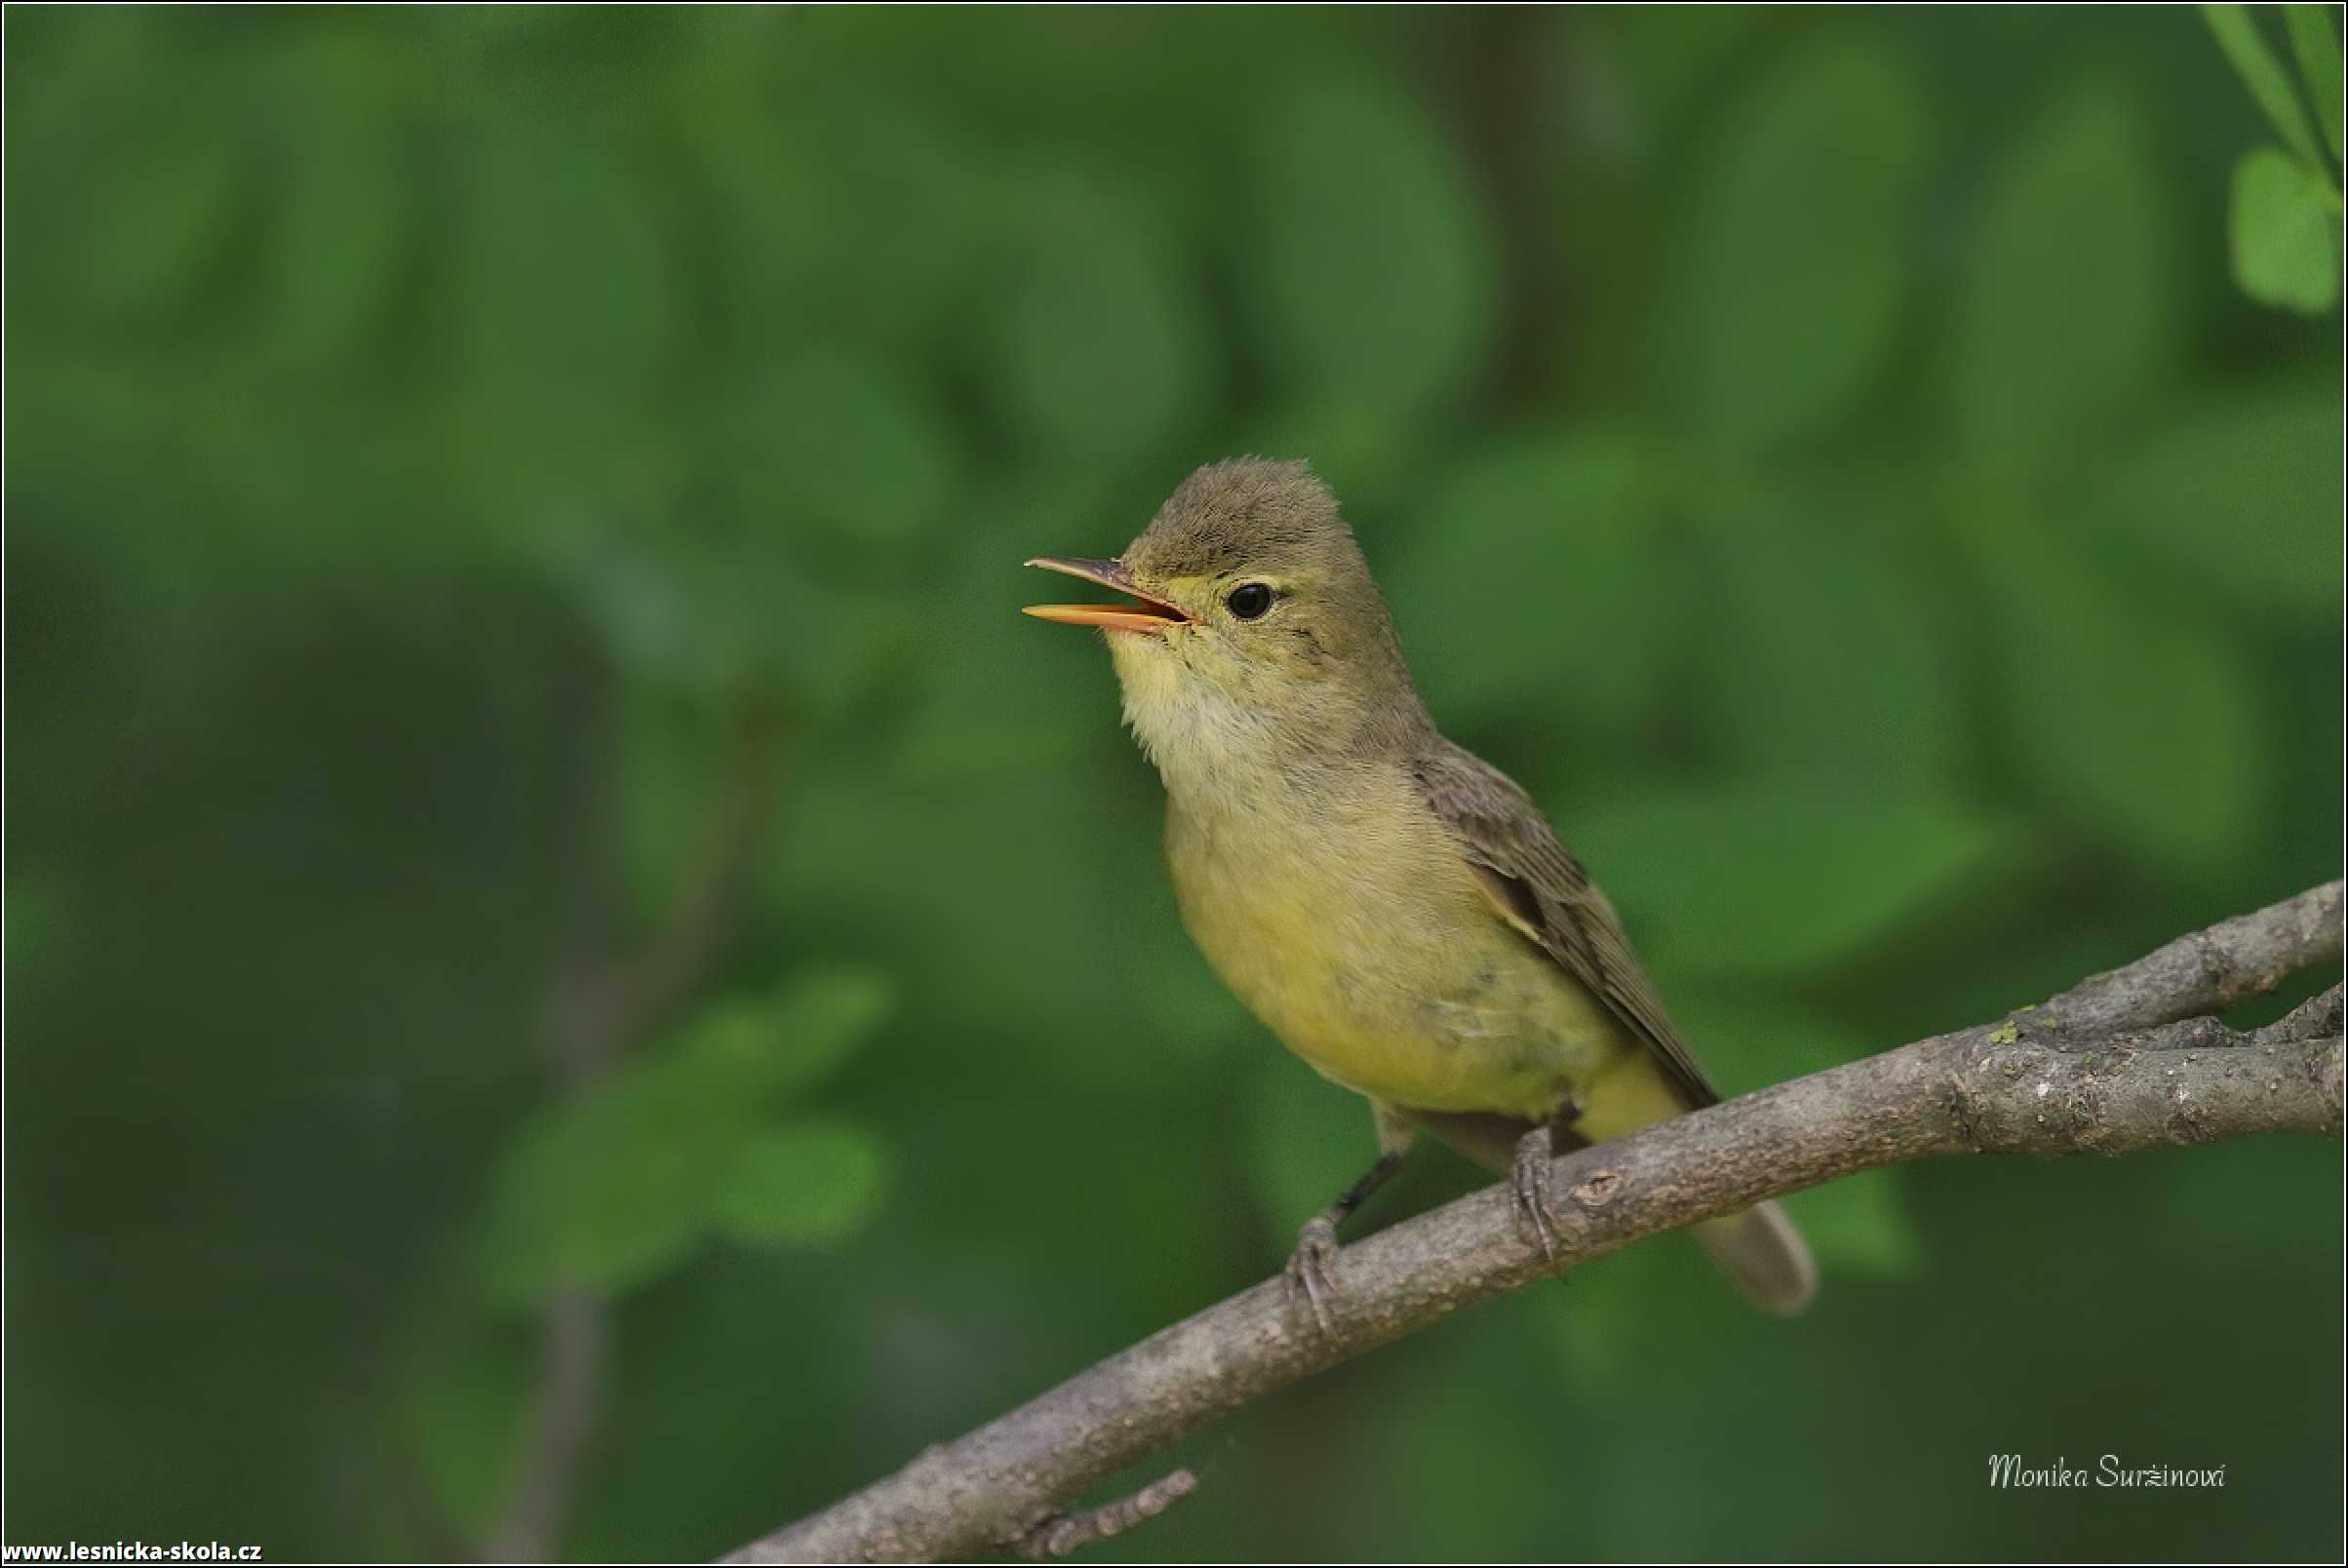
[(1529, 1183), (1310, 1264)]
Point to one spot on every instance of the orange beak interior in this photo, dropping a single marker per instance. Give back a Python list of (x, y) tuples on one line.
[(1147, 615)]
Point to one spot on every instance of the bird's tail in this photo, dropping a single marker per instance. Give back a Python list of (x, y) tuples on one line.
[(1764, 1256)]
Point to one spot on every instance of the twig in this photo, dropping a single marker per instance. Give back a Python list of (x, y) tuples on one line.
[(2317, 1017), (1064, 1533), (576, 1344), (2209, 971), (2119, 1063), (604, 1009)]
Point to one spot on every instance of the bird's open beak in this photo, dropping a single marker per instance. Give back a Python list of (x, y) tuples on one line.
[(1152, 615)]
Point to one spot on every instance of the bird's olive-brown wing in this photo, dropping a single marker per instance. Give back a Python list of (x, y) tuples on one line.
[(1540, 889)]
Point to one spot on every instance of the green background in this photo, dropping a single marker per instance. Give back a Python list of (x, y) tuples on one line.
[(516, 511)]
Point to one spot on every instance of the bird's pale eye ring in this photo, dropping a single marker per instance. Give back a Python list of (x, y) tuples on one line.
[(1249, 600)]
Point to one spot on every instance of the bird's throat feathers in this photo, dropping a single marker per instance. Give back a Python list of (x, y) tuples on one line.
[(1202, 740), (1216, 726)]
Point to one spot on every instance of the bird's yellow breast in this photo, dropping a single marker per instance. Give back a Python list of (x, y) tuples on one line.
[(1342, 912)]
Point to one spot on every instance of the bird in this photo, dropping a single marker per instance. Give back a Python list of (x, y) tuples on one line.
[(1395, 910)]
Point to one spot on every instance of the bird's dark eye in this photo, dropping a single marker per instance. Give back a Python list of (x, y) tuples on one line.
[(1249, 600)]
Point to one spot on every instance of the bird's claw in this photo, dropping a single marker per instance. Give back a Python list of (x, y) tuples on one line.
[(1308, 1267), (1529, 1183)]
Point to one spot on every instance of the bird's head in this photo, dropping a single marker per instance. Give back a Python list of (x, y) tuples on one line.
[(1254, 629)]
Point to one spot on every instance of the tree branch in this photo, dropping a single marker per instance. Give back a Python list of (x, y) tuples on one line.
[(2120, 1063), (1064, 1533)]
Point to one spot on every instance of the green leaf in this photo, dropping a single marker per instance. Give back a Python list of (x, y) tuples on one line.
[(563, 317), (994, 713), (1063, 847), (706, 599), (2132, 713), (786, 1042), (2318, 49), (1350, 301), (610, 1189), (2263, 74), (1776, 316), (2239, 495), (835, 442), (564, 283), (807, 1183), (818, 472), (1363, 449), (1821, 655), (464, 1399), (1533, 569), (2066, 316), (1767, 880), (1095, 346), (2284, 224), (842, 211), (139, 204), (341, 197), (617, 1185)]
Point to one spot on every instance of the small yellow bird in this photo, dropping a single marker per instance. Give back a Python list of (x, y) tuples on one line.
[(1392, 907)]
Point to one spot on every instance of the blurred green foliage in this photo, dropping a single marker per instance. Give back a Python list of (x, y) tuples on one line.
[(2286, 218), (612, 1189), (1823, 454)]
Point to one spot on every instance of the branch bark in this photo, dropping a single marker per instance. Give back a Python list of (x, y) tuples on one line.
[(2125, 1061), (1064, 1533)]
